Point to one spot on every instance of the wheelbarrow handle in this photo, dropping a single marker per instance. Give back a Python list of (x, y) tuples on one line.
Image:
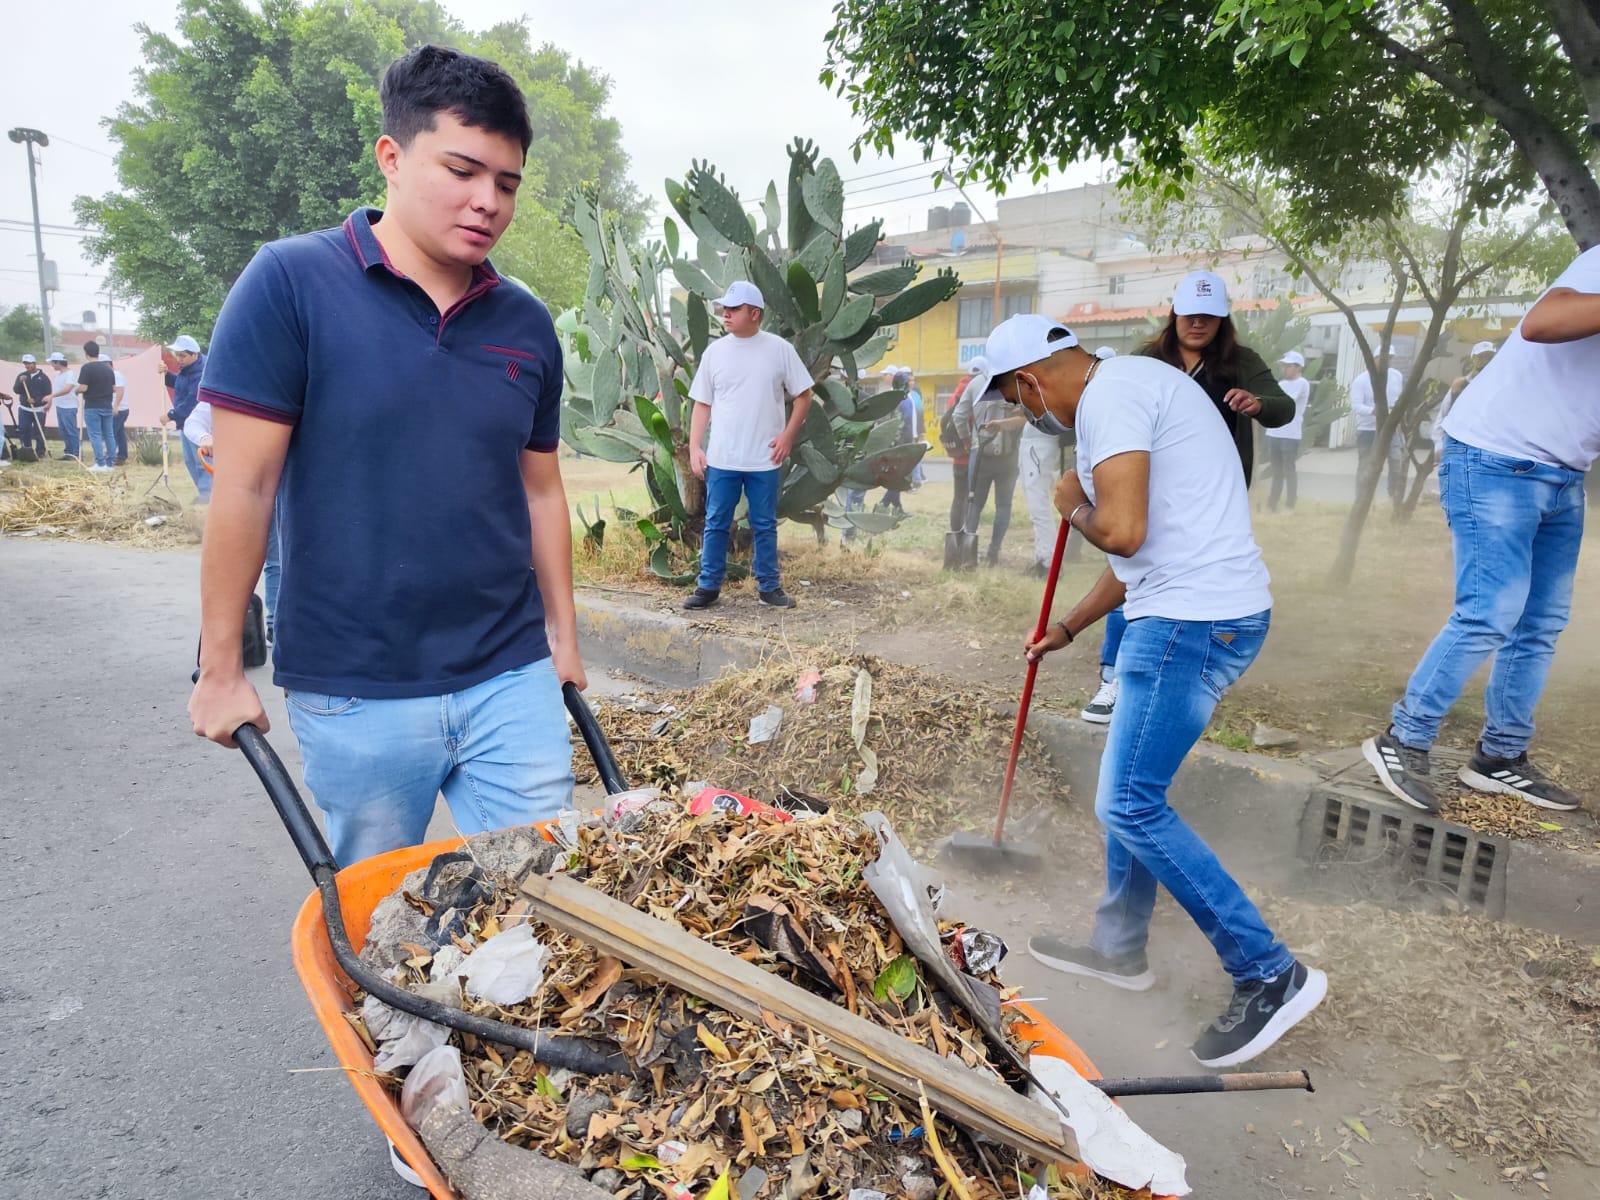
[(605, 762), (292, 811)]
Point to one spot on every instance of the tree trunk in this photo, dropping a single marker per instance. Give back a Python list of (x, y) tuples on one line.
[(1344, 564), (1408, 506)]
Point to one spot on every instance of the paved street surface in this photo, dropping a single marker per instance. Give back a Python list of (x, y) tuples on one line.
[(153, 1025)]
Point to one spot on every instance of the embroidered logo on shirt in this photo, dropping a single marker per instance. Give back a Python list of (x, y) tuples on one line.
[(513, 369)]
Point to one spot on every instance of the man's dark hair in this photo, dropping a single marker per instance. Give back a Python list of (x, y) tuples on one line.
[(435, 79), (92, 349)]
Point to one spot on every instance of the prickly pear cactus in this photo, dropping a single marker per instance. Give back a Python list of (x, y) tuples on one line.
[(635, 343)]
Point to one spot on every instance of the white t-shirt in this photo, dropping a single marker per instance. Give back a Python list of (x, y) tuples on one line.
[(198, 423), (1539, 402), (744, 380), (1298, 390), (1365, 407), (122, 382), (1199, 561), (64, 395)]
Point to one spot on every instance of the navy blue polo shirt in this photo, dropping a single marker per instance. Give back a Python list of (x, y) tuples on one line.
[(404, 522)]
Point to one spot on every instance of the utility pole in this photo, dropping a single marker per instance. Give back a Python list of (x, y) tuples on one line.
[(28, 139), (111, 319)]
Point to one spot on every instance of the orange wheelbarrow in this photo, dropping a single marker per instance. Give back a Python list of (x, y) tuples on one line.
[(335, 918)]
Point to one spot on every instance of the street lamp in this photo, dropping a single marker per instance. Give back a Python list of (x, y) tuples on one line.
[(31, 138)]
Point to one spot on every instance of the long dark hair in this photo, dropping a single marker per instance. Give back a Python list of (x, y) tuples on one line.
[(1220, 358)]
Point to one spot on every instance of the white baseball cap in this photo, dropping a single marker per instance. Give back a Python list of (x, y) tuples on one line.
[(1023, 339), (57, 357), (1480, 348), (28, 358), (184, 344), (741, 291), (978, 365), (1105, 352), (1294, 358), (1201, 294)]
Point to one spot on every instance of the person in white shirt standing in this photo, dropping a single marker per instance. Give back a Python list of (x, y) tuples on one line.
[(1364, 407), (120, 422), (1283, 443), (65, 401), (1158, 487), (1517, 444), (738, 391)]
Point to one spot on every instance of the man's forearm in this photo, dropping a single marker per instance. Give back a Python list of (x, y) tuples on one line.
[(797, 418), (1107, 593), (1562, 316), (230, 563)]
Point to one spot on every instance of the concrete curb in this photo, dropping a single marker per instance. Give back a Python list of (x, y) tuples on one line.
[(1256, 811)]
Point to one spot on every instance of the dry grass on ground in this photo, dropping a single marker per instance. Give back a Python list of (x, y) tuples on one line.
[(62, 499)]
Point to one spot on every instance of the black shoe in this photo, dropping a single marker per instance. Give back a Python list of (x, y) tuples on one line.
[(1515, 777), (1131, 973), (1260, 1014), (778, 598), (1403, 770), (702, 597)]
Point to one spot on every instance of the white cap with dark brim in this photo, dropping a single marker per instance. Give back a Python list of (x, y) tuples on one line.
[(1023, 339), (1201, 294)]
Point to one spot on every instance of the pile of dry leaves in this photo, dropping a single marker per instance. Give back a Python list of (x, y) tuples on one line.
[(765, 1104), (934, 756)]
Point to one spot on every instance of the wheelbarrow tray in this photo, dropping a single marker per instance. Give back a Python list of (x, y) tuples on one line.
[(361, 886)]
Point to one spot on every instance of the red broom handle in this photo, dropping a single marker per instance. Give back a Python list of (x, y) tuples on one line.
[(1033, 673)]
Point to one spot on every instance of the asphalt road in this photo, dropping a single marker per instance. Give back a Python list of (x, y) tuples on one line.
[(150, 1016)]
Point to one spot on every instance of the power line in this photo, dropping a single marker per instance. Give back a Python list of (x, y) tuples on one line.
[(79, 146)]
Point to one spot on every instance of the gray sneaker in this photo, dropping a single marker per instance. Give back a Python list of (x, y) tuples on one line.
[(1403, 770), (1516, 777), (1099, 709), (1131, 973)]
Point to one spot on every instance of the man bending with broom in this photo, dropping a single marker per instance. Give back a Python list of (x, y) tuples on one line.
[(1158, 488)]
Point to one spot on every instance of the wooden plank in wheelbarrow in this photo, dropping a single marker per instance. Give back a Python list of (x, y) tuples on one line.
[(977, 1100)]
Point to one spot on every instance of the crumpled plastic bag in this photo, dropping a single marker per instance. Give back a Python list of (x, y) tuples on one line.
[(436, 1080), (1108, 1140), (506, 969), (402, 1038)]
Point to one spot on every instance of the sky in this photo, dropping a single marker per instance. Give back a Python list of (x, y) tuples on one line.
[(694, 79)]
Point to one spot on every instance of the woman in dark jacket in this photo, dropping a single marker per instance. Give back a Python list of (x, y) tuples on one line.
[(1199, 339)]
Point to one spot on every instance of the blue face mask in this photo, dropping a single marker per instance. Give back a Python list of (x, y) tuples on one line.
[(1047, 422)]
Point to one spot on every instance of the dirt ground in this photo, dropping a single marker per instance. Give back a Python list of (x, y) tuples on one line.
[(1336, 660)]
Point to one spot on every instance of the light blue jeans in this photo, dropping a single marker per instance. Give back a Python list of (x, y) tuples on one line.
[(102, 423), (1116, 626), (67, 423), (760, 490), (499, 751), (1172, 673), (201, 477), (1516, 526)]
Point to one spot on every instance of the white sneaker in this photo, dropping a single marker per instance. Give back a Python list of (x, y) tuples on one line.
[(403, 1169), (1098, 711)]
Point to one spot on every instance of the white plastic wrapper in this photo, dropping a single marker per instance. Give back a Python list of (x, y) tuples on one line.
[(436, 1080), (1109, 1141), (402, 1038), (506, 969)]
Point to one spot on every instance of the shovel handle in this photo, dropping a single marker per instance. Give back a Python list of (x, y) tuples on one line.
[(1182, 1085), (1027, 686)]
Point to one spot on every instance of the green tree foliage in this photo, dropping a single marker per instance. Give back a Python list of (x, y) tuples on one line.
[(21, 332), (1345, 99), (546, 254), (255, 123)]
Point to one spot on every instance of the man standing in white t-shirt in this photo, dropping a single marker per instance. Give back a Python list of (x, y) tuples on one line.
[(65, 400), (1283, 443), (1364, 407), (119, 426), (1517, 443), (739, 392), (1158, 488)]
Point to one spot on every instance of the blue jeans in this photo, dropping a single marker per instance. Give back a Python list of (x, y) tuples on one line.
[(1172, 673), (201, 477), (1516, 526), (760, 489), (67, 422), (499, 751), (30, 429), (1116, 626), (272, 565), (102, 423), (121, 428)]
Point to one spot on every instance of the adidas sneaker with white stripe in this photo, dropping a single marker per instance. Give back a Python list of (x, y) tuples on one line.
[(1403, 770), (1516, 777)]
